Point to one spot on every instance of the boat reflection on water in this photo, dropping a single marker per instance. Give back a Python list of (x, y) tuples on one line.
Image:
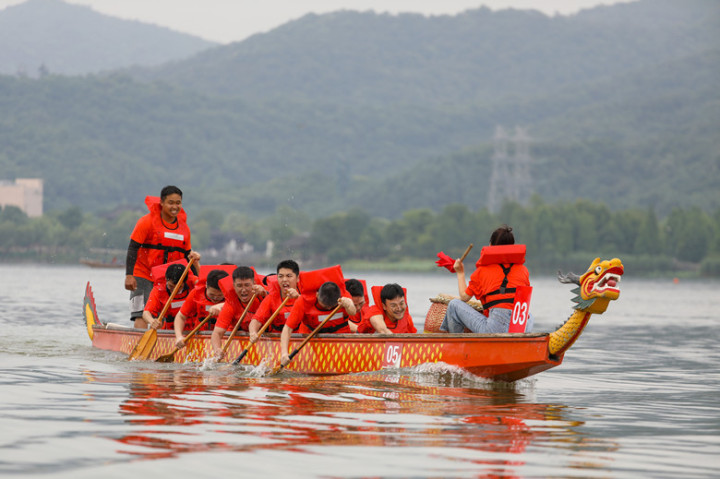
[(177, 411)]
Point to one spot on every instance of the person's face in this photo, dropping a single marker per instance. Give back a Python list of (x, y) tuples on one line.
[(170, 285), (244, 289), (214, 294), (359, 302), (287, 279), (395, 308), (171, 205)]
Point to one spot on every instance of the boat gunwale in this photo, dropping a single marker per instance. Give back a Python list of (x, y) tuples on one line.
[(244, 334)]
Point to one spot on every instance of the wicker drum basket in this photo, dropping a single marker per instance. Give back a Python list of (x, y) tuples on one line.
[(438, 307)]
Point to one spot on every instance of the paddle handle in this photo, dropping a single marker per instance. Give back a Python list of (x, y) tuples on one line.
[(315, 331), (262, 330), (467, 250), (237, 326), (197, 328), (175, 290)]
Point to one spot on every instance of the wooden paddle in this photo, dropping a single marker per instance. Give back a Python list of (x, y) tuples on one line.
[(260, 333), (237, 325), (462, 258), (170, 357), (146, 344), (309, 337)]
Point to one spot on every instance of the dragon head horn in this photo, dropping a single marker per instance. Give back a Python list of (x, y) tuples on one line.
[(569, 278)]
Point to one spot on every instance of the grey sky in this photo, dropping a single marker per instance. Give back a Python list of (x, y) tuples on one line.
[(226, 21)]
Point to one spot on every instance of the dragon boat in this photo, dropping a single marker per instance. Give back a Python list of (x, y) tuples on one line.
[(502, 357)]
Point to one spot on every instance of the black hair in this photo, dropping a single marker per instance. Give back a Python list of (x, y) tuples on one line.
[(502, 235), (214, 277), (391, 291), (328, 294), (174, 272), (170, 190), (288, 264), (243, 272), (354, 287)]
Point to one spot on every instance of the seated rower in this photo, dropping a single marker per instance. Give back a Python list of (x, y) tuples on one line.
[(284, 285), (238, 289), (204, 300), (161, 294), (392, 316), (358, 293), (312, 311)]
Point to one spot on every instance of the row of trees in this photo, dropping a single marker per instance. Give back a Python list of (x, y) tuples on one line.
[(565, 234)]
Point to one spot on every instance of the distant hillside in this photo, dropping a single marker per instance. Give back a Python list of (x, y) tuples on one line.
[(641, 132), (474, 57), (71, 39)]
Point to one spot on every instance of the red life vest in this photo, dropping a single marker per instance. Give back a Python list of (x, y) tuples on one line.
[(306, 310), (506, 257), (159, 297), (164, 246), (234, 308), (308, 313), (160, 294), (404, 325), (196, 307), (363, 312)]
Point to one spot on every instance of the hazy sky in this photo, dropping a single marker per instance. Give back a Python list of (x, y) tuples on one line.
[(227, 21)]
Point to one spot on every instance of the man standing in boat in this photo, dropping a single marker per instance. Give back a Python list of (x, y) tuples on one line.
[(159, 237), (238, 290), (499, 272), (392, 317)]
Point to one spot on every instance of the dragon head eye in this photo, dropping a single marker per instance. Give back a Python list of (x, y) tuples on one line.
[(598, 270)]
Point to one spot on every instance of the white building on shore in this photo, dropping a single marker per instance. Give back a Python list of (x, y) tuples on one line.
[(25, 193)]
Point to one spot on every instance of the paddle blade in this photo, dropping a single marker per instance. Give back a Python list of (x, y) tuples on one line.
[(276, 370), (167, 358), (242, 355), (145, 346)]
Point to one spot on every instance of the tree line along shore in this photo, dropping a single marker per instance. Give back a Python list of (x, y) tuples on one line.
[(563, 235)]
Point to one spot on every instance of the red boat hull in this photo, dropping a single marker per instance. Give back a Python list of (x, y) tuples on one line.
[(505, 357)]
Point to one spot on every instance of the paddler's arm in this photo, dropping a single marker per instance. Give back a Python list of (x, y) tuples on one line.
[(462, 283), (196, 265), (216, 342), (253, 329), (347, 305), (285, 344), (378, 322), (215, 309), (130, 259), (179, 326), (150, 320)]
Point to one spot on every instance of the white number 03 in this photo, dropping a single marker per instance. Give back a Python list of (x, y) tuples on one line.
[(520, 313)]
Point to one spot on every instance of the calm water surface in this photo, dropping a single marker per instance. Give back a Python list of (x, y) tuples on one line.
[(637, 396)]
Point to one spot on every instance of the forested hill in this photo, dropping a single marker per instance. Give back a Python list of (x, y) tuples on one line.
[(625, 110), (58, 37), (474, 57)]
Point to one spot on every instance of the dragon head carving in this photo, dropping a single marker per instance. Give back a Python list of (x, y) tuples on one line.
[(598, 286)]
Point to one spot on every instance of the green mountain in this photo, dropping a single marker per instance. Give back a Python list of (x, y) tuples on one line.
[(58, 37), (389, 113), (478, 56)]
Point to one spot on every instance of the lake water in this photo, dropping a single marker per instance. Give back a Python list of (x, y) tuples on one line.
[(637, 396)]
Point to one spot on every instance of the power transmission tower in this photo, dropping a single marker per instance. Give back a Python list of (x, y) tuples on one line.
[(510, 177)]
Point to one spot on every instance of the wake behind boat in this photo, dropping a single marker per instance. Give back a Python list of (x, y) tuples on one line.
[(503, 357)]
